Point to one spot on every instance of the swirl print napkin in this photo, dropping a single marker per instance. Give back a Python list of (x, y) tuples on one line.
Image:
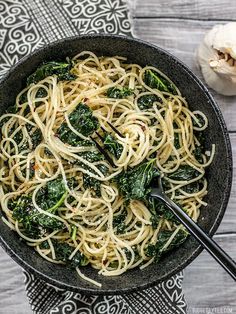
[(26, 25)]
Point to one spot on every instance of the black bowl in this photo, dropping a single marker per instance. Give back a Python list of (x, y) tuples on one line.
[(219, 174)]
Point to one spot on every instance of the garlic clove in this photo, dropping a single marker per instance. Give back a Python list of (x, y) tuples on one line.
[(205, 52), (216, 58), (225, 40)]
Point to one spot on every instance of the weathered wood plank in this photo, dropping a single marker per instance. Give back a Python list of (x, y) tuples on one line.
[(207, 285), (13, 298), (181, 38), (193, 9), (198, 293), (228, 223)]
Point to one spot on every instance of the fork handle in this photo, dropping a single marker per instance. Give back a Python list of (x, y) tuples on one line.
[(208, 243)]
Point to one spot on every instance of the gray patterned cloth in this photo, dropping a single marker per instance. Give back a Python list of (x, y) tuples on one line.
[(26, 25)]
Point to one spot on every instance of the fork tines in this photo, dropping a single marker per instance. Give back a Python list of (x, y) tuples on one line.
[(101, 137), (105, 154), (115, 129), (102, 149)]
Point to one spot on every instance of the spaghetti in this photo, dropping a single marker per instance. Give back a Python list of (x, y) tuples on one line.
[(57, 188)]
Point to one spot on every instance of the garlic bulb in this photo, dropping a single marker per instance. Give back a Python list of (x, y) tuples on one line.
[(217, 58)]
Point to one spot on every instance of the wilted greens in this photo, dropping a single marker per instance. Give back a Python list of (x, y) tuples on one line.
[(155, 80), (115, 92), (83, 121), (92, 183), (36, 138), (158, 250), (49, 198), (60, 69), (91, 156), (159, 210), (63, 252), (10, 109), (146, 102), (135, 183), (52, 195), (119, 222), (111, 144), (184, 173)]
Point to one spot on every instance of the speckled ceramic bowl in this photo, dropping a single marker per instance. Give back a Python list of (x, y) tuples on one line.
[(219, 174)]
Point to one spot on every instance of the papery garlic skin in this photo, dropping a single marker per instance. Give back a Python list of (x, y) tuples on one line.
[(217, 58)]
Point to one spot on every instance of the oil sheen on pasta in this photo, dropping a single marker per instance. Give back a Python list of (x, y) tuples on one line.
[(62, 196)]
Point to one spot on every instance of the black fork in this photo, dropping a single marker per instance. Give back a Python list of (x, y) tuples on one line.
[(203, 238), (199, 234), (102, 149)]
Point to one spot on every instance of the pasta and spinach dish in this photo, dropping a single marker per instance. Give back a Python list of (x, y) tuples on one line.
[(78, 154)]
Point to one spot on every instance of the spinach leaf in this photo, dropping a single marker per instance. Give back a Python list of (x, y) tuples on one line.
[(136, 253), (114, 264), (155, 80), (111, 144), (32, 221), (23, 98), (166, 184), (72, 183), (199, 150), (134, 184), (60, 69), (157, 250), (155, 219), (160, 210), (91, 156), (164, 236), (23, 210), (63, 251), (36, 138), (74, 140), (49, 223), (184, 173), (44, 245), (41, 93), (119, 222), (10, 109), (52, 195), (92, 183), (83, 121), (176, 140), (18, 137), (115, 92), (31, 170), (198, 154), (150, 250), (146, 101), (191, 188), (88, 181)]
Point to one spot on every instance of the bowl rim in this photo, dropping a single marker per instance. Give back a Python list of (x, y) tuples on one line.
[(26, 266)]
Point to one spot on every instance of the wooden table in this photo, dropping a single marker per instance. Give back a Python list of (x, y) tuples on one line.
[(178, 26)]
